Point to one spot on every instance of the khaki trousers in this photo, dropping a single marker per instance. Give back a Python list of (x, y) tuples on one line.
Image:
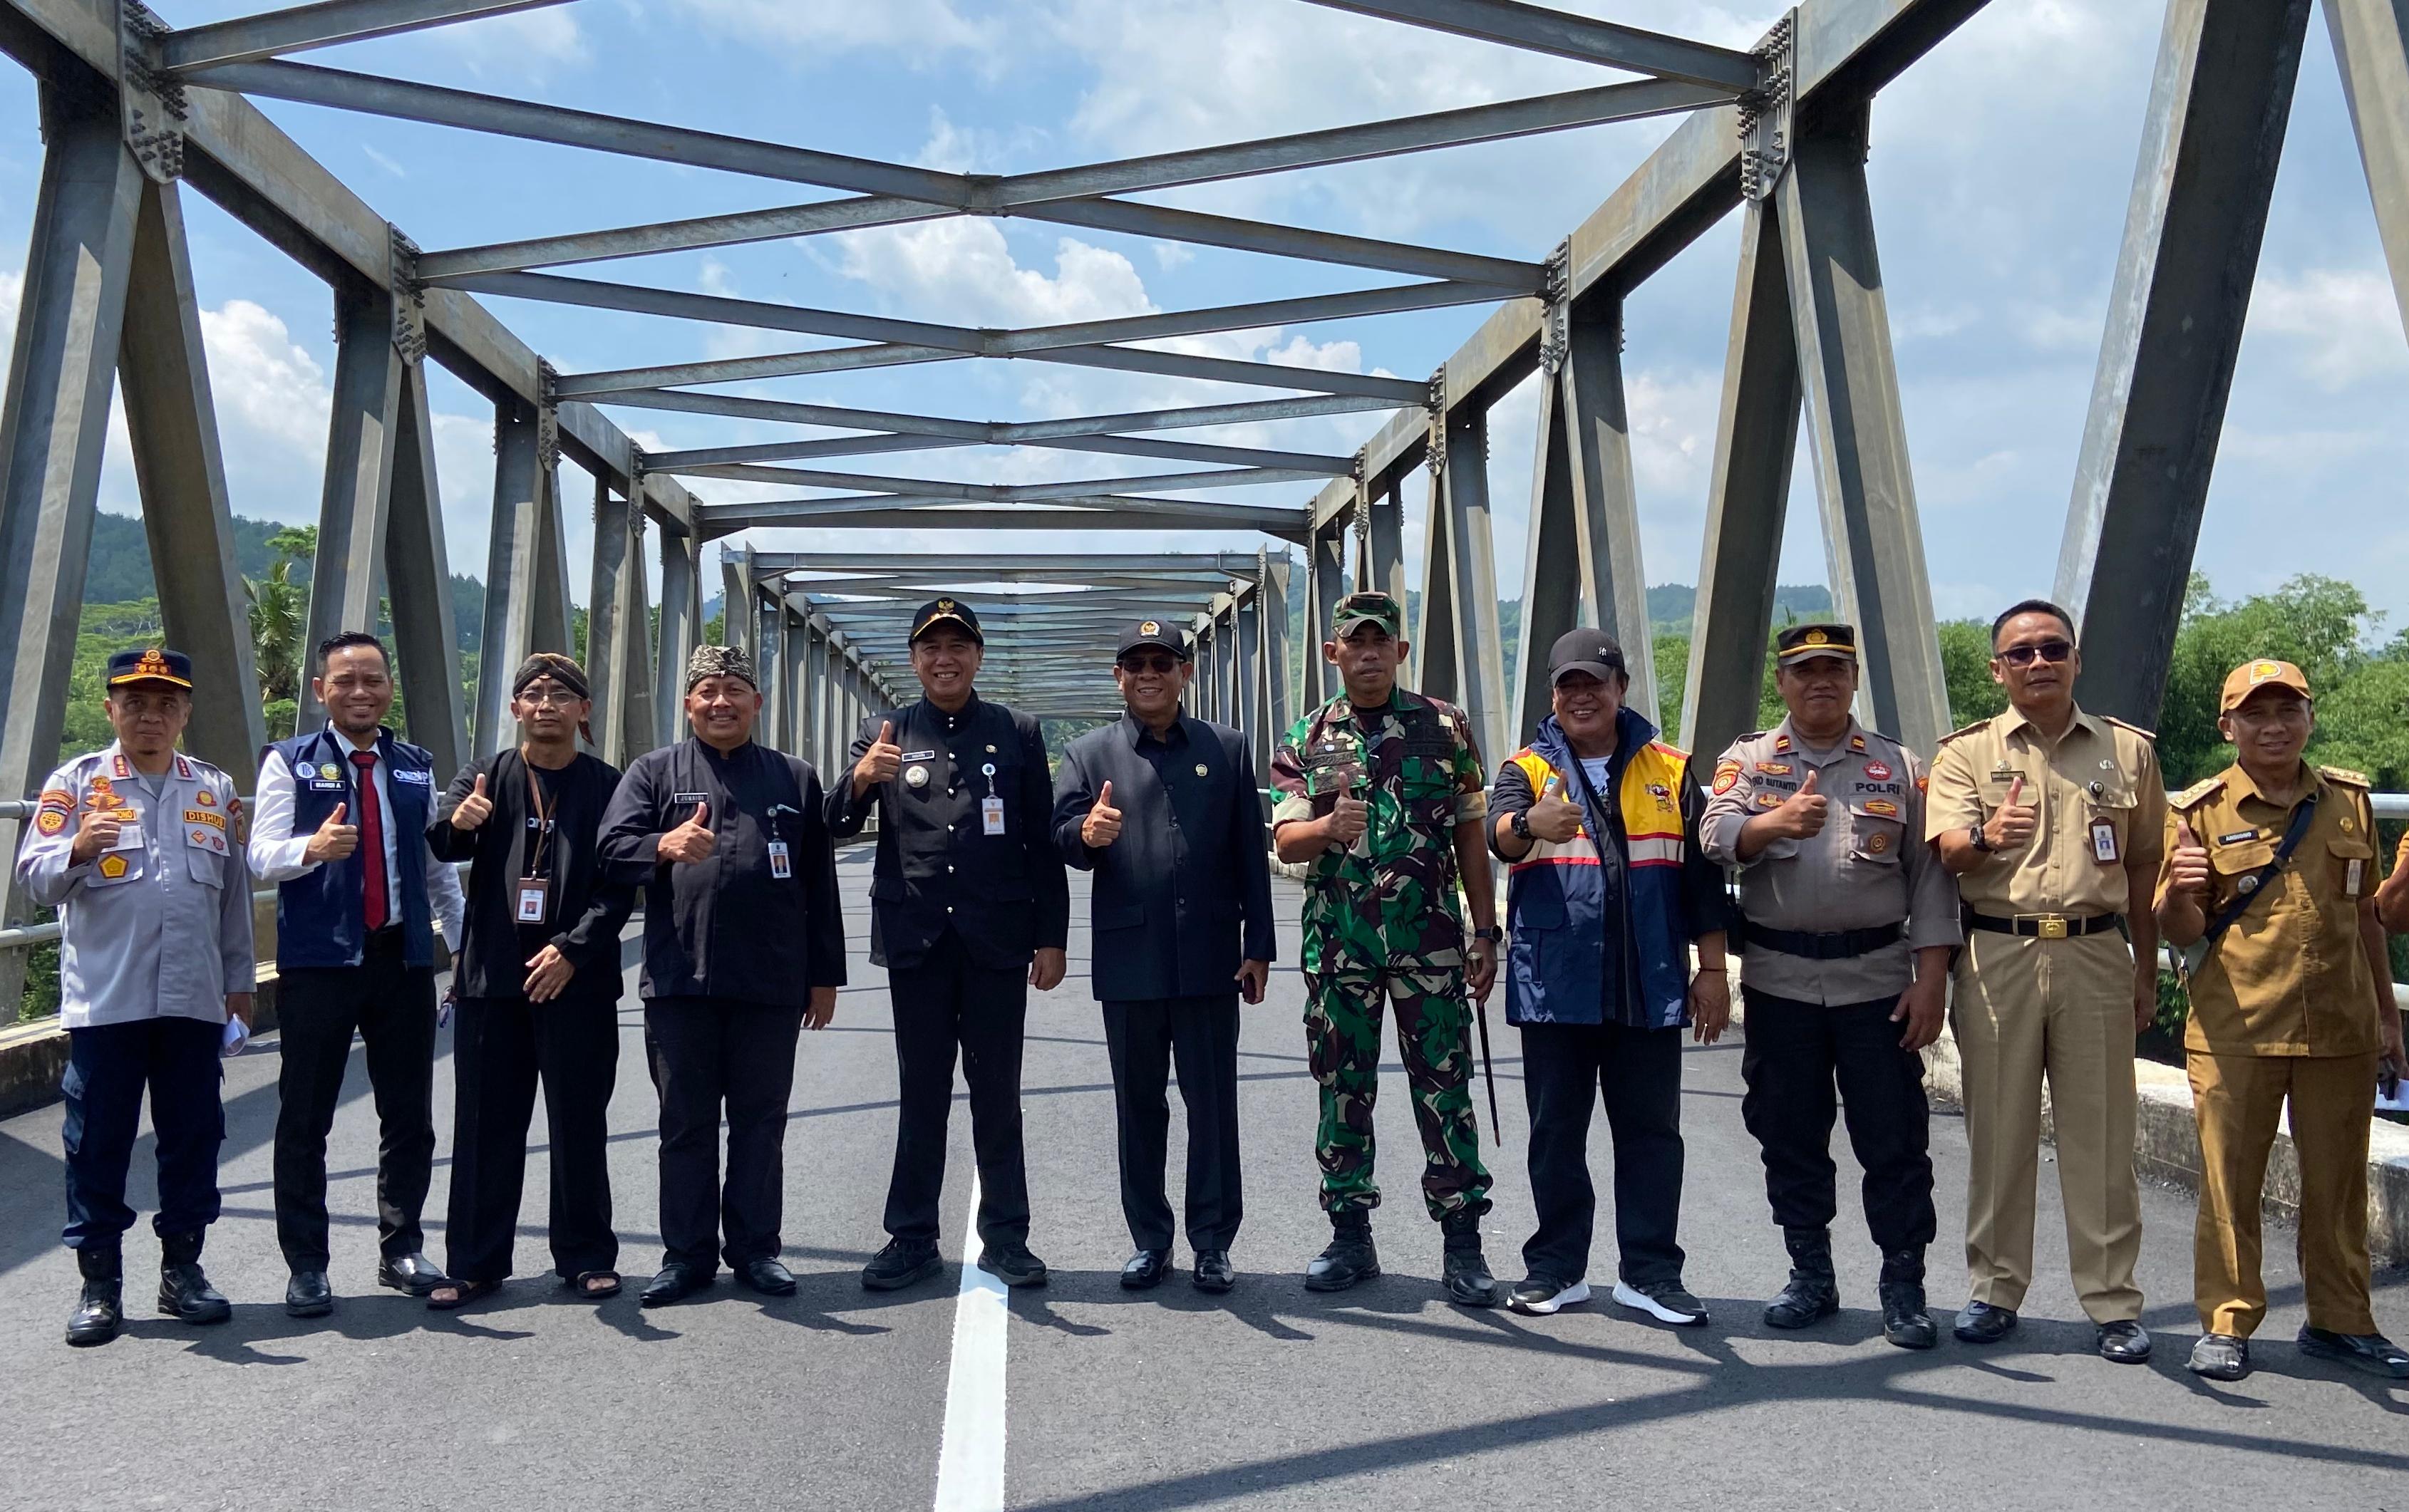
[(2026, 1008), (2238, 1099)]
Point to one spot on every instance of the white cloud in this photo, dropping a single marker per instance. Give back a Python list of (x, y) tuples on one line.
[(913, 26), (525, 44), (265, 387), (2343, 325), (963, 271)]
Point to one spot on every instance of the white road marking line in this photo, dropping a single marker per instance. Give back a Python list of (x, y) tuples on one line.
[(969, 1464)]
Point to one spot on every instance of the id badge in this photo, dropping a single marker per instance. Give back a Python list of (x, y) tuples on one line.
[(781, 864), (2103, 842), (991, 815), (534, 892), (2350, 887)]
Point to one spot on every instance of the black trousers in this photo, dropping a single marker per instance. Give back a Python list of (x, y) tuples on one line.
[(109, 1068), (1795, 1053), (500, 1048), (941, 1004), (1144, 1038), (1566, 1068), (708, 1054), (392, 1008)]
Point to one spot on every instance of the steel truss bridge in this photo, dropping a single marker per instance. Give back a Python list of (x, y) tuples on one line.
[(135, 112)]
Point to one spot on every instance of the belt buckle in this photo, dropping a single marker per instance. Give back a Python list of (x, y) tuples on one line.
[(2052, 926)]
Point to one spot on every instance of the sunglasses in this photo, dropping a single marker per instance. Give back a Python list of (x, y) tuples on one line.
[(1161, 666), (2052, 651)]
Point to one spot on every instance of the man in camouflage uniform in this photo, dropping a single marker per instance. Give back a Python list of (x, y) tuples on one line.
[(1381, 797)]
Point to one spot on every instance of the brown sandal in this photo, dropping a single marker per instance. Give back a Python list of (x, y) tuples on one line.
[(582, 1283), (462, 1293)]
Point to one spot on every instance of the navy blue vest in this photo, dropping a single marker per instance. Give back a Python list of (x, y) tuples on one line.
[(320, 915)]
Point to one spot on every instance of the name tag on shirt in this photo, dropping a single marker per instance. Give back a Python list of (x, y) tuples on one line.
[(2350, 886), (920, 755), (782, 861), (322, 784), (534, 892), (689, 797), (991, 815)]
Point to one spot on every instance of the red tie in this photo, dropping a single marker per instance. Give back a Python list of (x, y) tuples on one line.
[(372, 839)]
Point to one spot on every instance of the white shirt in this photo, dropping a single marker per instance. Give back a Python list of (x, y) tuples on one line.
[(1594, 769), (277, 854)]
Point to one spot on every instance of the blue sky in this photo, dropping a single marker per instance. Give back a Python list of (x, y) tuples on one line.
[(2000, 173)]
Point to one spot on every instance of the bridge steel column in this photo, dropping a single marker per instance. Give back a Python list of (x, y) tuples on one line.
[(792, 725), (1325, 583), (347, 576), (1383, 542), (1756, 442), (1476, 643), (2370, 43), (681, 630), (1249, 704), (1278, 711), (768, 645), (1582, 560), (737, 621), (617, 628), (527, 569), (1873, 541), (2219, 105)]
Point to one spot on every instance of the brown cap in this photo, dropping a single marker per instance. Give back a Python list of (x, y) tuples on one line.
[(2251, 676)]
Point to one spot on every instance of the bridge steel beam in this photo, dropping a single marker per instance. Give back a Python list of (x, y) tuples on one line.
[(2370, 43), (526, 575), (2219, 103)]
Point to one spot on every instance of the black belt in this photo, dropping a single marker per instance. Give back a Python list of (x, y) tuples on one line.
[(2046, 925), (1844, 945)]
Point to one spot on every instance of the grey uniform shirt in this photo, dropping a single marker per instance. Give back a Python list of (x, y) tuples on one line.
[(1868, 867), (159, 927)]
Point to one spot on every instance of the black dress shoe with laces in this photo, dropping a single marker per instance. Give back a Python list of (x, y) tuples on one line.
[(1905, 1322), (902, 1263), (2124, 1343), (1213, 1272), (767, 1276), (675, 1282), (185, 1293), (413, 1273), (1143, 1269), (2371, 1352), (1013, 1265), (100, 1314), (1981, 1323), (307, 1295)]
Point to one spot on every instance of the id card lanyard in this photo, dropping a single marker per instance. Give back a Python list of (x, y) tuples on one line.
[(991, 807), (535, 887)]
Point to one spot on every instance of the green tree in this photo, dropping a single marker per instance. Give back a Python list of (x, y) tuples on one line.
[(1966, 668), (279, 612), (2318, 624)]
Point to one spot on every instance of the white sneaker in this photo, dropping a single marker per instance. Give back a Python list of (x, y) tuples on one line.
[(1663, 1300), (1541, 1295)]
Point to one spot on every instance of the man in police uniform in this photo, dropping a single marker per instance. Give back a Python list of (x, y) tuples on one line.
[(1380, 795), (139, 848), (2051, 820), (968, 910), (1850, 924), (2270, 887)]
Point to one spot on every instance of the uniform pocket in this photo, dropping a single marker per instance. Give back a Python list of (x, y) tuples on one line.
[(1875, 837), (2348, 859)]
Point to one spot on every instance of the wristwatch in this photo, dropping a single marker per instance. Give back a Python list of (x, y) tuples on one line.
[(1492, 935), (1521, 823), (1982, 840)]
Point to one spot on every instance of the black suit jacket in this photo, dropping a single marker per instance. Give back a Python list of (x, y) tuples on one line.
[(1185, 893), (1003, 896)]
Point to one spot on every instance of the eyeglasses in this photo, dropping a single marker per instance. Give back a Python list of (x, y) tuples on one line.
[(1158, 665), (2047, 651), (549, 697)]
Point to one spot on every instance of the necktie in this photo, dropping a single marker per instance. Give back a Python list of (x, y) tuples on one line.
[(372, 839)]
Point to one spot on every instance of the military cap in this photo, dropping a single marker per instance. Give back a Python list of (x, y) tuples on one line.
[(719, 661), (1368, 607), (938, 612), (1592, 652), (1798, 643), (152, 664), (2251, 676), (1164, 633)]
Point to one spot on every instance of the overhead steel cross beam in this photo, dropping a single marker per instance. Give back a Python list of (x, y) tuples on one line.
[(1540, 30), (325, 24), (1314, 464), (995, 433)]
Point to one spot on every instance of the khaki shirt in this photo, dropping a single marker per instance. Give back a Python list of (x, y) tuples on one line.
[(2291, 976), (2100, 807), (1868, 865)]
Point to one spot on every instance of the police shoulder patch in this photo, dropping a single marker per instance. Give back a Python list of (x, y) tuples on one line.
[(2197, 793), (2346, 776)]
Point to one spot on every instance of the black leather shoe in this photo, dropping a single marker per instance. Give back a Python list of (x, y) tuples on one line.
[(675, 1282), (1905, 1323), (1350, 1258), (2124, 1343), (1013, 1265), (2220, 1357), (100, 1314), (1144, 1269), (1813, 1294), (902, 1263), (307, 1295), (413, 1273), (2371, 1352), (767, 1276), (1464, 1274), (1981, 1323), (1213, 1272), (185, 1293)]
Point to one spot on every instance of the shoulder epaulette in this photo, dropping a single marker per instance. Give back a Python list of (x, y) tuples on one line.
[(2191, 797), (1751, 735), (2128, 725), (1960, 734), (2346, 776)]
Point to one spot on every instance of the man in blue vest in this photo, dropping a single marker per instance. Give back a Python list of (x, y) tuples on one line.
[(341, 829)]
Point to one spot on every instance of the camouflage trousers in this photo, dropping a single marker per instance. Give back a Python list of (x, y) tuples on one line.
[(1342, 1032)]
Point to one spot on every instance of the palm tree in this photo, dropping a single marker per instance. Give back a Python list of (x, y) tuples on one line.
[(279, 608)]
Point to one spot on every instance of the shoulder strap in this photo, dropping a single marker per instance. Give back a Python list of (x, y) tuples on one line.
[(2254, 884)]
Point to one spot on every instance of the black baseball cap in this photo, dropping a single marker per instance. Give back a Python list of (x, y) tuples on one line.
[(1161, 632), (1585, 650), (938, 612)]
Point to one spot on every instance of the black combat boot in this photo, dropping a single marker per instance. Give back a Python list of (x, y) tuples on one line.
[(101, 1311), (1350, 1258), (1905, 1322), (1813, 1295), (1464, 1274), (185, 1291)]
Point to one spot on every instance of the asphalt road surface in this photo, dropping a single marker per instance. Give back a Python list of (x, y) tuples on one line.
[(1266, 1398)]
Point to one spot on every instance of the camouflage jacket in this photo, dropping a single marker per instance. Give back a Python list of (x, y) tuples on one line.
[(1391, 895)]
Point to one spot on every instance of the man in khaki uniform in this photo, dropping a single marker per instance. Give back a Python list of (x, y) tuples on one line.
[(2271, 883), (2051, 820)]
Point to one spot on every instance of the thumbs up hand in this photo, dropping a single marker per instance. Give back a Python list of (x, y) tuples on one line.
[(2014, 822), (2187, 870), (692, 840), (880, 763), (1804, 813), (1553, 819), (333, 839), (475, 809), (1103, 824)]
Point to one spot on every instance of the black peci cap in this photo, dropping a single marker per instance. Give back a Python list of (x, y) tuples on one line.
[(938, 612)]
